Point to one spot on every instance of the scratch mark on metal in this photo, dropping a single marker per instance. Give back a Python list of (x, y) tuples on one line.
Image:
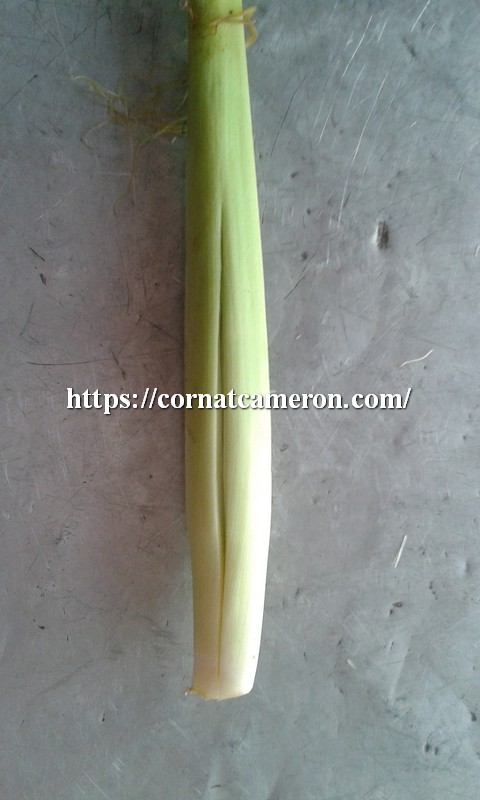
[(374, 144), (79, 787), (15, 94), (422, 12), (117, 362), (58, 203), (355, 154), (286, 114), (333, 12), (355, 86), (96, 785), (179, 729), (36, 254), (297, 283), (158, 327), (27, 320), (65, 363), (400, 551), (357, 47), (383, 28)]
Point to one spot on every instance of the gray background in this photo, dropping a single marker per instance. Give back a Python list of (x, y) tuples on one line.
[(368, 683)]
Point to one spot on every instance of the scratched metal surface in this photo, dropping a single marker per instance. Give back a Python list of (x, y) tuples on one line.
[(368, 684)]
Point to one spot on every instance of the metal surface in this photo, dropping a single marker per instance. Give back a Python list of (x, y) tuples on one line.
[(368, 684)]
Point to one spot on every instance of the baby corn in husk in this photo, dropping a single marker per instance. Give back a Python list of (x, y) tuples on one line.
[(228, 451)]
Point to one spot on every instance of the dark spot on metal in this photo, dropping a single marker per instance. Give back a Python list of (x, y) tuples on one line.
[(383, 236)]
